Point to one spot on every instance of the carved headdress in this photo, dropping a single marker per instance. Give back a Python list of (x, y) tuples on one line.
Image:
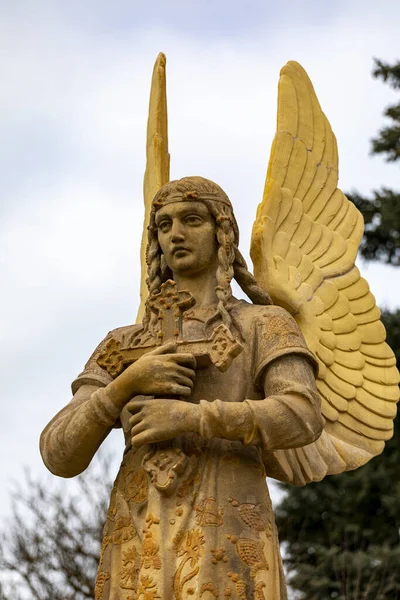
[(198, 189), (190, 188)]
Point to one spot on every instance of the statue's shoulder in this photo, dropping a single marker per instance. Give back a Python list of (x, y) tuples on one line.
[(262, 314), (124, 335), (273, 333), (92, 373), (272, 320)]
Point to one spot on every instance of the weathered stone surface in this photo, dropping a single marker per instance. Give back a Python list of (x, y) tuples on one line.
[(190, 514), (214, 393)]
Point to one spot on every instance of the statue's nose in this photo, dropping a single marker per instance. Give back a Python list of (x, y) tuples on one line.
[(177, 233)]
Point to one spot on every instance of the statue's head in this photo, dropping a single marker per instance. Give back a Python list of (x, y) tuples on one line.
[(198, 189), (229, 261), (220, 231)]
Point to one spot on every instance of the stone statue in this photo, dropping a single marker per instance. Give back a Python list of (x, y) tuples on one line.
[(215, 393)]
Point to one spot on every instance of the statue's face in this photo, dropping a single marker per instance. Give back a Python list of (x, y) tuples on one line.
[(186, 234)]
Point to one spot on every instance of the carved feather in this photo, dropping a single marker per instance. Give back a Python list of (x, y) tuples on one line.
[(304, 244)]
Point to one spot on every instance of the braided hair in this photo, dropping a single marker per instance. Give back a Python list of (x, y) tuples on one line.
[(231, 264)]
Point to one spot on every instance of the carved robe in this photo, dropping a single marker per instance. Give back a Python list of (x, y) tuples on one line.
[(192, 518)]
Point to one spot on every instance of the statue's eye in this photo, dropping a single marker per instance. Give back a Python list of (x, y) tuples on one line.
[(164, 225), (193, 220)]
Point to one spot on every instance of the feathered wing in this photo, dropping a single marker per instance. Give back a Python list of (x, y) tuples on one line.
[(157, 160), (304, 245)]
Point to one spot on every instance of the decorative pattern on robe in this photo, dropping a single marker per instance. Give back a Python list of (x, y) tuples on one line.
[(192, 518)]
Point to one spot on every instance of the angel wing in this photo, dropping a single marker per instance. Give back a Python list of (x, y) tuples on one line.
[(157, 160), (304, 245)]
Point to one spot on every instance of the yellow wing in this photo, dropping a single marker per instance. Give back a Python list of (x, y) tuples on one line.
[(304, 245), (157, 160)]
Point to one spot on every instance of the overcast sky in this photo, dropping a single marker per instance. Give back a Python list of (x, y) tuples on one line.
[(75, 82)]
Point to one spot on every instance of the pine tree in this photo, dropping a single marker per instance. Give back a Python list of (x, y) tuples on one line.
[(341, 536), (382, 211)]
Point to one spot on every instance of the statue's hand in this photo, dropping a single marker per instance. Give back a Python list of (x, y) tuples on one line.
[(161, 372), (159, 420)]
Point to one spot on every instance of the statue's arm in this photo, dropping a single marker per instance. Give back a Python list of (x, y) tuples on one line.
[(71, 439), (73, 436), (288, 417)]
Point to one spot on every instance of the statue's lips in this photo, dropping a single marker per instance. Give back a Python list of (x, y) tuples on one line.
[(180, 250)]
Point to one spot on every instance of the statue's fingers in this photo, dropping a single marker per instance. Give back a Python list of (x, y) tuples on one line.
[(183, 380), (185, 359), (134, 406), (138, 428), (135, 419), (164, 349), (142, 438), (179, 390), (185, 372)]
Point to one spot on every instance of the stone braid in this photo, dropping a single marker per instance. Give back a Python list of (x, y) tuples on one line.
[(154, 272), (248, 282), (153, 258), (226, 240), (224, 273)]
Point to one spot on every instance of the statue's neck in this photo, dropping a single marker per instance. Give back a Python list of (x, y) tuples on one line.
[(202, 287)]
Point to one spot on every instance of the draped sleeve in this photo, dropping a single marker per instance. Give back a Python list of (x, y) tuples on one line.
[(92, 373), (284, 370), (69, 442), (277, 334)]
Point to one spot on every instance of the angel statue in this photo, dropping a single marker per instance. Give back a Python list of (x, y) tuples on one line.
[(214, 393)]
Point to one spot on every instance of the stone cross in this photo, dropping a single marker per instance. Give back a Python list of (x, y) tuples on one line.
[(169, 305)]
